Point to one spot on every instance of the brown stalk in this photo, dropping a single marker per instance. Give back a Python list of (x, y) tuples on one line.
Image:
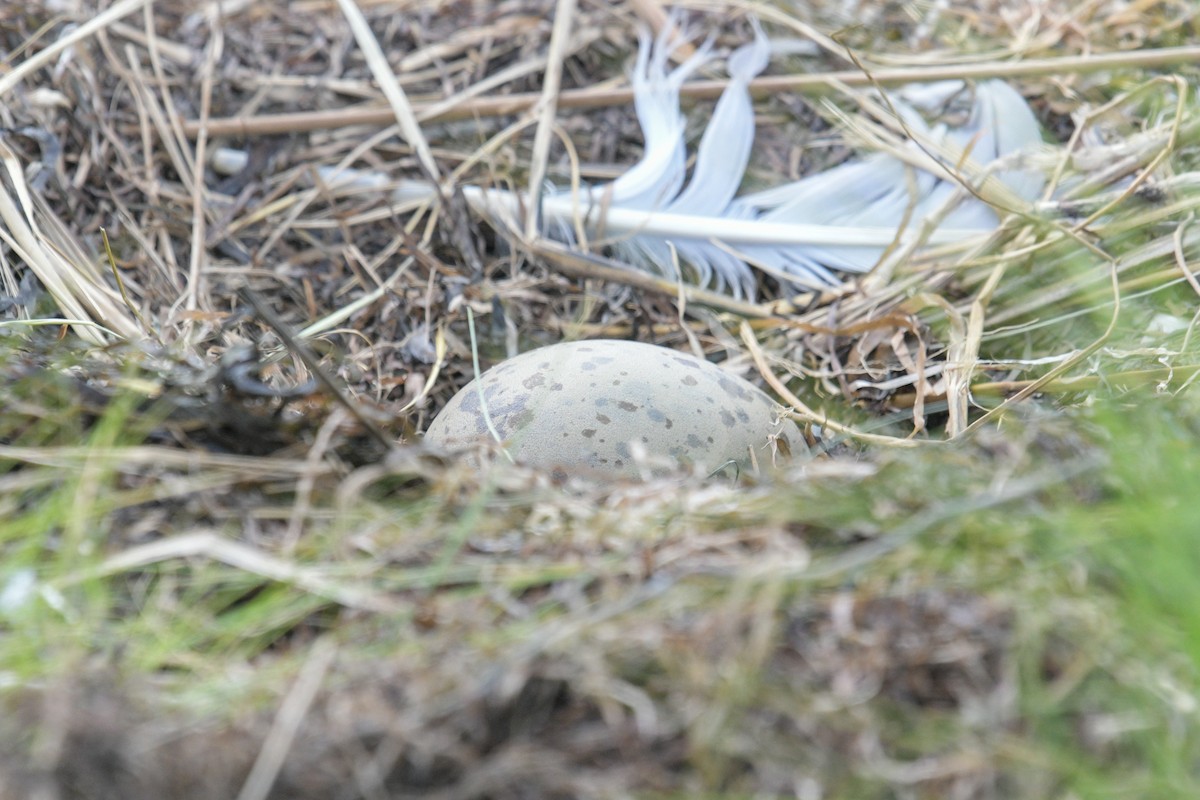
[(265, 125)]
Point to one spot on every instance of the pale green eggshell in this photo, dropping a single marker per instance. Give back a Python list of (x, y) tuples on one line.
[(578, 407)]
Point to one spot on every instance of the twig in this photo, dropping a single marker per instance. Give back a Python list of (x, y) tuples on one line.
[(196, 261), (79, 295), (546, 109), (400, 110), (1066, 385), (47, 56), (593, 267), (1064, 366), (826, 83), (112, 263), (301, 349), (803, 413)]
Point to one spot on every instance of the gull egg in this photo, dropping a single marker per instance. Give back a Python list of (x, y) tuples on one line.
[(594, 407)]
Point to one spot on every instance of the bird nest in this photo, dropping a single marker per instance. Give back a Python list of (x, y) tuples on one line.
[(209, 368)]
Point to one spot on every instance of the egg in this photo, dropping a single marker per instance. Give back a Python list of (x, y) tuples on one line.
[(592, 407)]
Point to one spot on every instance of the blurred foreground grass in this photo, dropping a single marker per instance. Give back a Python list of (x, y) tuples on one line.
[(1014, 615)]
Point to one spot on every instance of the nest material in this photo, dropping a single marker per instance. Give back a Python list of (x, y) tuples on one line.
[(495, 635)]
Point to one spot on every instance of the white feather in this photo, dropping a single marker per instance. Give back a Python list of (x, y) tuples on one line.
[(875, 191), (839, 220)]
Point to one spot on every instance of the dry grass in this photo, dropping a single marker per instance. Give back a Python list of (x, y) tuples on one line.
[(225, 582)]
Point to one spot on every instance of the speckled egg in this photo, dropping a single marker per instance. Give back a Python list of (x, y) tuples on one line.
[(587, 407)]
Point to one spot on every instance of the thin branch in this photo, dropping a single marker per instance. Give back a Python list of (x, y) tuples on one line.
[(295, 345), (48, 56), (827, 83), (399, 109), (547, 108), (588, 266)]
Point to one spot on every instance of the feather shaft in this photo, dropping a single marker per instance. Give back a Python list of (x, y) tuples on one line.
[(632, 222)]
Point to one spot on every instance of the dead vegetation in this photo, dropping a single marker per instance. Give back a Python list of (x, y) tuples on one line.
[(237, 589)]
